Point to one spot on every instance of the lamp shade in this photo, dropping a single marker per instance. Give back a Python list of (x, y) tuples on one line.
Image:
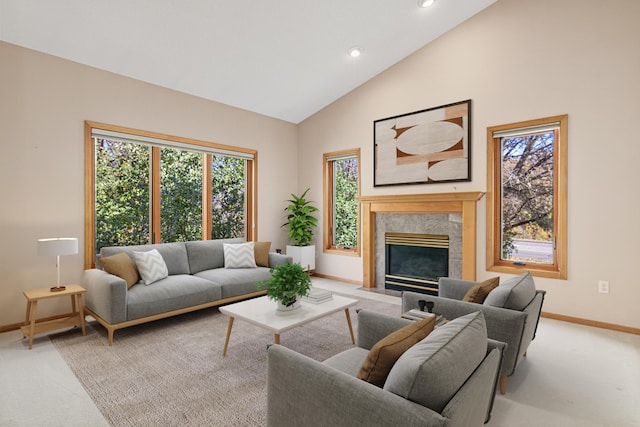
[(58, 246)]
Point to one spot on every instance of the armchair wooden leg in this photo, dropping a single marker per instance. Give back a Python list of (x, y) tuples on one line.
[(503, 384)]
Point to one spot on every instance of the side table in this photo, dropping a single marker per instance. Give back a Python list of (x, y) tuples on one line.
[(75, 318)]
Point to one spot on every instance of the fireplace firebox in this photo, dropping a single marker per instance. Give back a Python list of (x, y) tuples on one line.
[(415, 262)]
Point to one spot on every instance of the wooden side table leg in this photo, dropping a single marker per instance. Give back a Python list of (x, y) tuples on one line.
[(73, 303), (32, 329), (81, 313), (346, 312), (226, 342), (27, 317)]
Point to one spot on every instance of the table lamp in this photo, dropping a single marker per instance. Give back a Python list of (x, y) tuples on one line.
[(58, 246)]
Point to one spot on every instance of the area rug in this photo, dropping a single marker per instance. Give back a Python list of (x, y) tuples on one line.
[(171, 372)]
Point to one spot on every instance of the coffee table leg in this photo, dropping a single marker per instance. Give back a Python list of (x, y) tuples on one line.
[(276, 338), (226, 342), (346, 312)]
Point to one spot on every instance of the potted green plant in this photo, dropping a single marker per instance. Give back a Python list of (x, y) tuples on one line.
[(288, 283), (300, 225)]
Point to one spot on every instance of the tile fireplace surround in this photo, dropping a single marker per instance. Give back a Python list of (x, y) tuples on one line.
[(439, 203)]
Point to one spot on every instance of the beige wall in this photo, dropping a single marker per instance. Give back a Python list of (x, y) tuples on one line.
[(520, 60), (44, 102)]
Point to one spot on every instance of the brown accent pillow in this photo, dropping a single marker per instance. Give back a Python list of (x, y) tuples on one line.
[(479, 292), (384, 354), (261, 251), (121, 265)]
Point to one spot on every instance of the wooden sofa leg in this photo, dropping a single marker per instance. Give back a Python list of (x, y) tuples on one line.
[(110, 339), (503, 384)]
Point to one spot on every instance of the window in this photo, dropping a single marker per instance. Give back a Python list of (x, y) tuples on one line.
[(527, 197), (148, 188), (341, 218)]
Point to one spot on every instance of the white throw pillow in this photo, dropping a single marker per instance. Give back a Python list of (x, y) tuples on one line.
[(239, 255), (151, 266)]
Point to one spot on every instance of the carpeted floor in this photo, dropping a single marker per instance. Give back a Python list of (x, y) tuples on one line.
[(171, 372)]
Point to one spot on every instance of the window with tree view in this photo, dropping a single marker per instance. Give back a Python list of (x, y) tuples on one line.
[(147, 189), (527, 197), (341, 191)]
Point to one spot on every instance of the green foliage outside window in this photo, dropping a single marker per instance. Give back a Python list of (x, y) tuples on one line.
[(180, 195), (346, 202), (123, 197), (121, 193), (228, 197)]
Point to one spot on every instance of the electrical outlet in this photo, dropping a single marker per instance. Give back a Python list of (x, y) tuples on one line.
[(603, 286)]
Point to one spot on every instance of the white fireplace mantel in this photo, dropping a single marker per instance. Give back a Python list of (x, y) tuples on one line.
[(463, 203)]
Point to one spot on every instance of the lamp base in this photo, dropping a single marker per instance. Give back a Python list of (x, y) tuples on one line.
[(57, 288)]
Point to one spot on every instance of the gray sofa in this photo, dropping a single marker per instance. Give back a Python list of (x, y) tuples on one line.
[(447, 379), (196, 279), (512, 311)]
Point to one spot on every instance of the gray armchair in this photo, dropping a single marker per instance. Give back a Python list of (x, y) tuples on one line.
[(514, 322), (304, 392)]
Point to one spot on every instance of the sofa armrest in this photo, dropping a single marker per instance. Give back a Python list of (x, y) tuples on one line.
[(476, 396), (373, 326), (106, 295), (503, 324), (279, 259), (304, 392)]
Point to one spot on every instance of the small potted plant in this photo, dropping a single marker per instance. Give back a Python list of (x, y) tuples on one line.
[(288, 283), (301, 224)]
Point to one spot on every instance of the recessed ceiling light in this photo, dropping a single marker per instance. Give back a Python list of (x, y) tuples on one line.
[(425, 3), (355, 51)]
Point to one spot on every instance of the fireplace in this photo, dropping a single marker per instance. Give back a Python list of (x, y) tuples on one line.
[(460, 203), (415, 262)]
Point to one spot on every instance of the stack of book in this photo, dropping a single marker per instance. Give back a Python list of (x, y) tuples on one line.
[(318, 296), (416, 314)]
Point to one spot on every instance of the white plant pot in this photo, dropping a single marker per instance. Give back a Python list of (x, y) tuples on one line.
[(283, 309), (303, 255)]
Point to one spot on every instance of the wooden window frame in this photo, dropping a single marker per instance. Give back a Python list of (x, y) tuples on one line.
[(327, 235), (557, 270), (251, 196)]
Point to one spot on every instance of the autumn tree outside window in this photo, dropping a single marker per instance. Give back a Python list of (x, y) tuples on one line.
[(527, 197)]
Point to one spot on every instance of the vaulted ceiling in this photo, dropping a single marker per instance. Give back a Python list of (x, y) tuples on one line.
[(286, 59)]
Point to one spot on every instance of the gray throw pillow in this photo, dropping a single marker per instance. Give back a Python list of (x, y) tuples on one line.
[(515, 293), (432, 371)]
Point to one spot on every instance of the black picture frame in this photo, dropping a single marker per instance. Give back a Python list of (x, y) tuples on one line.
[(423, 147)]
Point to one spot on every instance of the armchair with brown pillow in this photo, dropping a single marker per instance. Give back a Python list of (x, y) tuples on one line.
[(511, 310), (447, 378)]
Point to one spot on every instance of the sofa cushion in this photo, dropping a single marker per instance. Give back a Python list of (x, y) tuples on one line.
[(171, 293), (348, 361), (236, 281), (478, 293), (432, 371), (261, 252), (385, 352), (207, 254), (240, 255), (151, 266), (122, 266), (515, 293)]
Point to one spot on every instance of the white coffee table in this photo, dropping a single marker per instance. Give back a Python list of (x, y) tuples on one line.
[(262, 312)]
